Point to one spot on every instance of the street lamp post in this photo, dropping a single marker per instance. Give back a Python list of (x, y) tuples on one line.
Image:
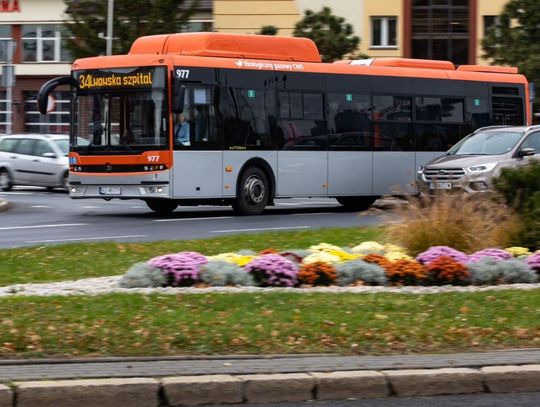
[(110, 13)]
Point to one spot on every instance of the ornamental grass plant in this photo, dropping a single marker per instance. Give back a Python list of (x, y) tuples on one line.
[(468, 223)]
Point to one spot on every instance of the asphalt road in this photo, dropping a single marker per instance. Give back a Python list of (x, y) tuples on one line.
[(469, 400), (38, 217)]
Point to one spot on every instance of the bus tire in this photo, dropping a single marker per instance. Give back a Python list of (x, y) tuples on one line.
[(162, 206), (356, 203), (253, 192), (6, 181)]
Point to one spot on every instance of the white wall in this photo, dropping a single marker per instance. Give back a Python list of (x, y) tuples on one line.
[(351, 10)]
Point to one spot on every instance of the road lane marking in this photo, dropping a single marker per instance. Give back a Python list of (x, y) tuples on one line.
[(43, 226), (84, 238), (40, 206), (259, 229), (183, 219)]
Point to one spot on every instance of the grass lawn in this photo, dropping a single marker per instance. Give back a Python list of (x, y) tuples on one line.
[(83, 260), (129, 324), (272, 322)]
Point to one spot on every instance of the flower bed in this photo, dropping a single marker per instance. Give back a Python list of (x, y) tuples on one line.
[(369, 263)]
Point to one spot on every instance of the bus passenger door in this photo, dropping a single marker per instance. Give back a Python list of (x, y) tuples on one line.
[(198, 156), (302, 141), (394, 159)]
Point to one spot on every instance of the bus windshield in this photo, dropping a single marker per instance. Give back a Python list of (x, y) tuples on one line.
[(114, 115)]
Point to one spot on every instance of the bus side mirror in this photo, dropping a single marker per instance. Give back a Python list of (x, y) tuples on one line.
[(179, 92), (48, 87)]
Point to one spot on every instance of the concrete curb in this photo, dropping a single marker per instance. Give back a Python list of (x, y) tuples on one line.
[(268, 388)]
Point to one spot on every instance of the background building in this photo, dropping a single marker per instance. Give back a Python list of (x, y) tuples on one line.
[(36, 28), (431, 29)]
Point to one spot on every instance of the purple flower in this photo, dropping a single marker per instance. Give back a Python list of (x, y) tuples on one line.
[(181, 269), (273, 270), (433, 253), (534, 261), (495, 254)]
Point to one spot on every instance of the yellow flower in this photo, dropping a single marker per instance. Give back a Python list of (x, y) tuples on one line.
[(518, 251), (234, 258), (324, 247), (390, 247), (343, 255), (395, 256), (321, 256), (369, 247)]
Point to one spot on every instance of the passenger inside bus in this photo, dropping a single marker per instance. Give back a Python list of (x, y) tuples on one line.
[(182, 130)]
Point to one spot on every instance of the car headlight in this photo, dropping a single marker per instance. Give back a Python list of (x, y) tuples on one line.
[(421, 169), (482, 168)]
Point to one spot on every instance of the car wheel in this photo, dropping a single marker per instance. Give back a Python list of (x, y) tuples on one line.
[(356, 203), (253, 191), (162, 206), (6, 181), (65, 181)]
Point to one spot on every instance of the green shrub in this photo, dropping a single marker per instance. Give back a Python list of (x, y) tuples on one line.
[(350, 272), (142, 275), (520, 188), (221, 273)]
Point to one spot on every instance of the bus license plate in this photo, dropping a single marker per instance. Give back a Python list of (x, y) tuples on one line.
[(109, 190), (440, 185)]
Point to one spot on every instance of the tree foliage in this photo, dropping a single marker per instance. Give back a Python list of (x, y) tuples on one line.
[(515, 38), (330, 33), (131, 20), (269, 30)]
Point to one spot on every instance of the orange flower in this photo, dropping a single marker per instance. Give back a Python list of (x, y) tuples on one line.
[(406, 272), (378, 259), (446, 270), (317, 273)]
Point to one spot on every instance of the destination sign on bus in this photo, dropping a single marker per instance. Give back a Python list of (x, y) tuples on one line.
[(108, 79)]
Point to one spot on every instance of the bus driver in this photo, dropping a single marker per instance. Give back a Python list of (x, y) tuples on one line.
[(181, 130)]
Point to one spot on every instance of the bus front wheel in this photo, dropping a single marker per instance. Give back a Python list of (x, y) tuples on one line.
[(253, 191), (161, 205), (356, 203)]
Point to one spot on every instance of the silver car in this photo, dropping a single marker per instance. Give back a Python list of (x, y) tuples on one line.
[(471, 164), (34, 159)]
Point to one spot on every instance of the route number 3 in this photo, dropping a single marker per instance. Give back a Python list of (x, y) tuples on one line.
[(153, 158)]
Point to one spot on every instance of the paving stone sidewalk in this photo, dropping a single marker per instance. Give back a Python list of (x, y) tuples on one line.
[(16, 370)]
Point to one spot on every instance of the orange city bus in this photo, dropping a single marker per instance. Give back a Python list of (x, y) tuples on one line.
[(241, 120)]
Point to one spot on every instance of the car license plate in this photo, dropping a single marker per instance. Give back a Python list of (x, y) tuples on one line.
[(440, 185), (109, 190)]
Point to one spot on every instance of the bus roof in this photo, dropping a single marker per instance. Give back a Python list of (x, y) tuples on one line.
[(271, 53), (229, 46)]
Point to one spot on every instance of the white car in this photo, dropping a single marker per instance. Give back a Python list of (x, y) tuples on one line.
[(34, 159)]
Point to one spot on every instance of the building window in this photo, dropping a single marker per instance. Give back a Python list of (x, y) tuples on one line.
[(490, 21), (198, 26), (44, 43), (384, 32), (55, 122), (5, 38), (440, 30), (3, 112)]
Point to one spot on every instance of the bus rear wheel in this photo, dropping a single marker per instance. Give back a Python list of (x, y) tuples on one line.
[(161, 205), (356, 203), (253, 191)]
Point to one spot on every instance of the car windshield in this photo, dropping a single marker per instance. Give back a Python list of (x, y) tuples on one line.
[(121, 110), (487, 143), (63, 144)]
